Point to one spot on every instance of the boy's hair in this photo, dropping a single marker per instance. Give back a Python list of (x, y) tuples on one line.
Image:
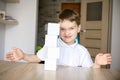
[(68, 14)]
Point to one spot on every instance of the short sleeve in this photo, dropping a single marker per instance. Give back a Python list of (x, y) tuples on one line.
[(42, 54), (87, 61), (85, 58)]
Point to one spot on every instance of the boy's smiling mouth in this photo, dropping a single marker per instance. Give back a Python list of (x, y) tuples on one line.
[(67, 37)]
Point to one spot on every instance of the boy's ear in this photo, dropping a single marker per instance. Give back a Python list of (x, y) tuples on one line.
[(79, 28)]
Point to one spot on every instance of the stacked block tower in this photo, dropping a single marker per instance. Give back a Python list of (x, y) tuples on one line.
[(51, 39)]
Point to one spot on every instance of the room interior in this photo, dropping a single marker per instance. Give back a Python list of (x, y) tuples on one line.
[(15, 35)]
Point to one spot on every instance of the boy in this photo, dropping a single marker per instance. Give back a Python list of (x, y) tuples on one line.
[(71, 53)]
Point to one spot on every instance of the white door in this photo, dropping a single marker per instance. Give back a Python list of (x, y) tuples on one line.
[(95, 25)]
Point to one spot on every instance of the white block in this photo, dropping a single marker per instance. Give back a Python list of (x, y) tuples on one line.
[(53, 52), (51, 40), (50, 64), (50, 67), (50, 61), (53, 29)]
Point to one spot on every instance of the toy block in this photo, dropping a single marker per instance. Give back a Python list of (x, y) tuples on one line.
[(51, 40), (53, 52), (50, 64), (53, 29), (50, 67)]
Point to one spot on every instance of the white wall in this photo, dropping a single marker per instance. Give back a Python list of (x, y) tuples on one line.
[(22, 35), (2, 33), (115, 41)]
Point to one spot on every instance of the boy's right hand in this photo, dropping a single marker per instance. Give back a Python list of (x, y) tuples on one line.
[(15, 55)]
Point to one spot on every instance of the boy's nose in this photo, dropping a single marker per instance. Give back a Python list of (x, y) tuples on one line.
[(66, 32)]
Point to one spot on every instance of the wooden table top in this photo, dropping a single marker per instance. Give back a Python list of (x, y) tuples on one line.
[(35, 71)]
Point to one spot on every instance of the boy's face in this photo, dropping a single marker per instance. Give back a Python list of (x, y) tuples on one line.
[(68, 31)]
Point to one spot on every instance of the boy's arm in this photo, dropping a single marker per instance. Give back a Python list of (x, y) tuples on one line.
[(31, 58), (102, 59), (18, 54)]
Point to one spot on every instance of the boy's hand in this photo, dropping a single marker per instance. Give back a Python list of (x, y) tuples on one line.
[(102, 59), (15, 55)]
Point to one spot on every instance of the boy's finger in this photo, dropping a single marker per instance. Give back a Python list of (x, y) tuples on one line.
[(14, 48)]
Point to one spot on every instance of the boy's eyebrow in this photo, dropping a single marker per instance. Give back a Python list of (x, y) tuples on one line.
[(61, 27), (73, 26)]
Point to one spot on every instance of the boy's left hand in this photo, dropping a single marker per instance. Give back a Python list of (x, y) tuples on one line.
[(103, 59)]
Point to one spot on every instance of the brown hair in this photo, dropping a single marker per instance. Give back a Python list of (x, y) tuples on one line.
[(70, 15)]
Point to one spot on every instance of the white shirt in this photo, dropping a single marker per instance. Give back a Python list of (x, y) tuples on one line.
[(70, 55)]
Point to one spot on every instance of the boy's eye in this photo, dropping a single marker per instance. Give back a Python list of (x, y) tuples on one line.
[(61, 29), (71, 28)]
